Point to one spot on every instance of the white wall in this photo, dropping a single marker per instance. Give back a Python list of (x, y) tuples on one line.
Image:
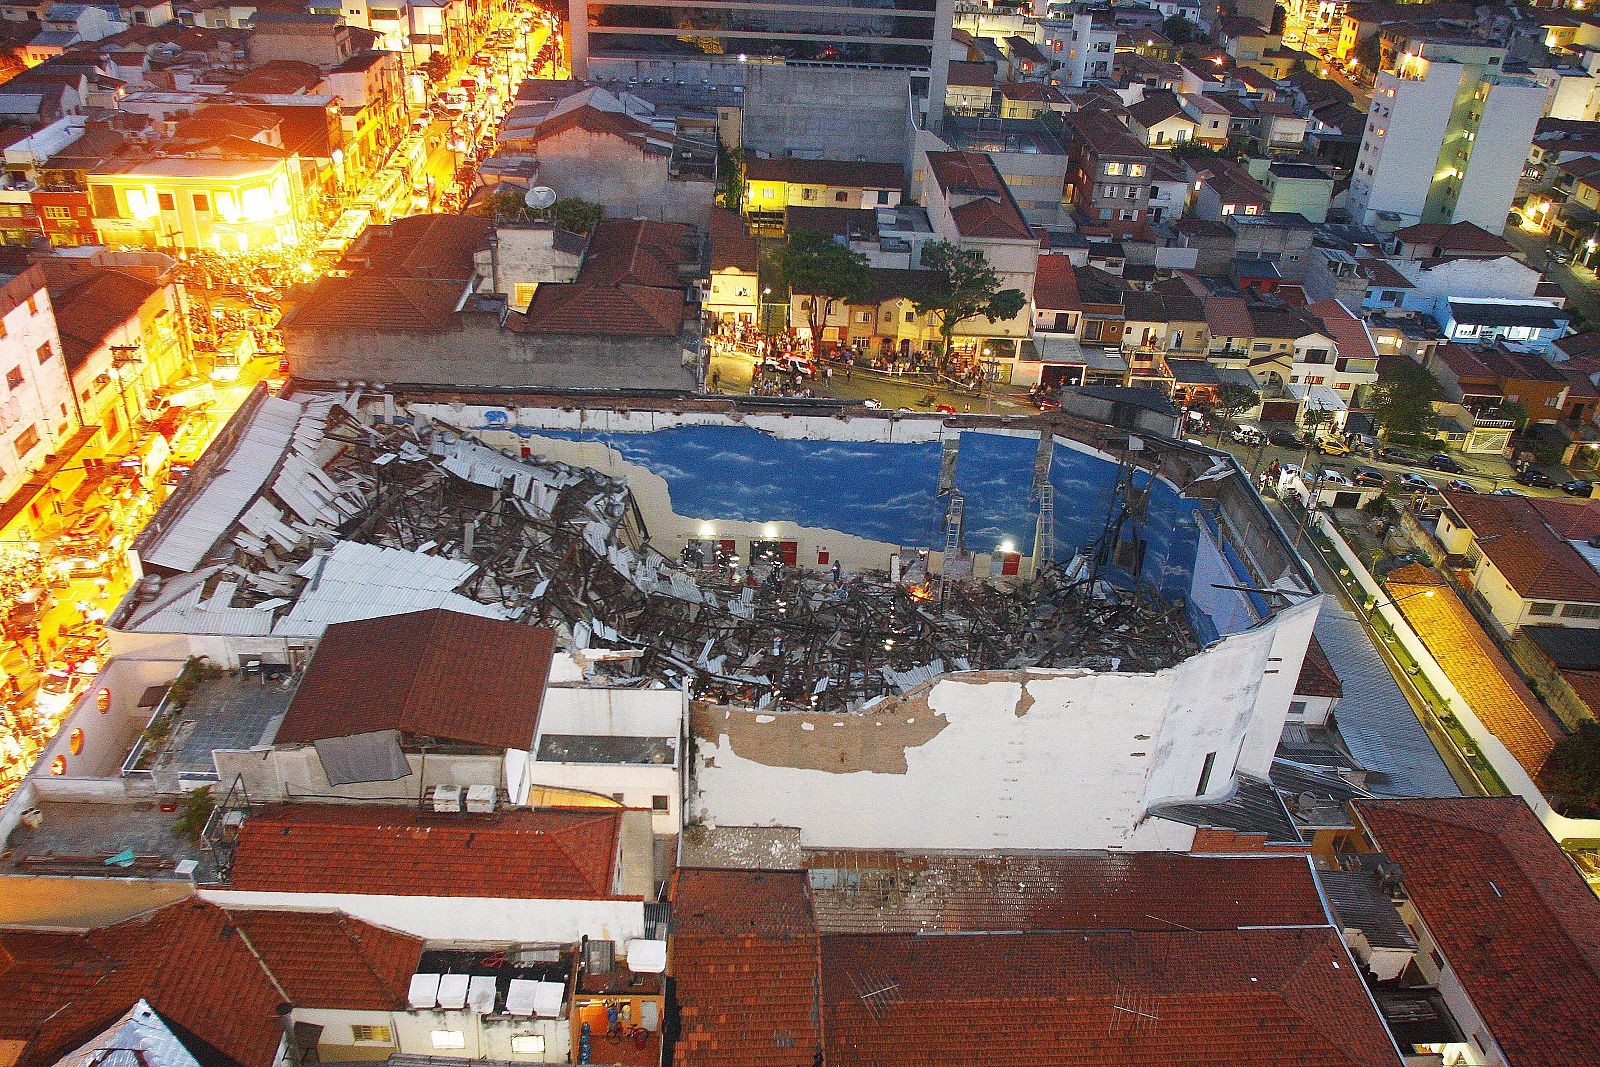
[(1035, 759), (107, 736), (38, 400), (461, 918), (1402, 160), (1510, 114), (487, 1037), (288, 773)]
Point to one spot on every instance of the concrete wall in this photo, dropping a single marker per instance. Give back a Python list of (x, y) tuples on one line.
[(290, 773), (1025, 759), (629, 182), (107, 736), (488, 1037), (827, 112), (1510, 113), (480, 354), (1395, 171), (461, 918)]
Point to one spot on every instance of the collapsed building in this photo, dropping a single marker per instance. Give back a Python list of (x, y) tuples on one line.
[(964, 632)]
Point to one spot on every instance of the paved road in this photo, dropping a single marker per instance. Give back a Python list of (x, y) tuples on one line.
[(1579, 283), (734, 372)]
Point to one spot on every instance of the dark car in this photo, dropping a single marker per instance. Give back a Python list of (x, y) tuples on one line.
[(1390, 454), (1460, 486), (1535, 477), (1578, 487), (1368, 476), (1441, 462), (1415, 483), (1283, 439)]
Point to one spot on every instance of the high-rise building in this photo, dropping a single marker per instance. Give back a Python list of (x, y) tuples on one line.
[(726, 40), (1446, 136)]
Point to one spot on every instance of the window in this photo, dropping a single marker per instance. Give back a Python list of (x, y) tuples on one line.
[(911, 316), (1297, 707), (1205, 773), (1261, 346), (26, 441), (166, 202), (863, 316), (1227, 209), (1113, 168), (808, 194), (841, 197), (449, 1039), (1135, 170), (14, 377), (768, 193), (56, 212), (45, 352), (372, 1033), (1541, 607), (658, 802), (522, 294), (202, 202), (1581, 611), (527, 1044)]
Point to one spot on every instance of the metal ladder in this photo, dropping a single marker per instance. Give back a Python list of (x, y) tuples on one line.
[(1044, 533)]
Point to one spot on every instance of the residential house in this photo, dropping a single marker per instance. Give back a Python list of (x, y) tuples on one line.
[(1109, 177), (370, 86), (324, 41), (1078, 324), (1029, 100), (1224, 188), (1529, 557), (735, 294), (1160, 121), (1296, 188), (1453, 240), (1211, 119), (1500, 914), (1318, 690), (1244, 38), (1160, 326), (1482, 378), (970, 88), (773, 185), (969, 205), (39, 419)]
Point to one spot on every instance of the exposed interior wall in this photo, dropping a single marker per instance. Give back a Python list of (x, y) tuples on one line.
[(1027, 759), (291, 773)]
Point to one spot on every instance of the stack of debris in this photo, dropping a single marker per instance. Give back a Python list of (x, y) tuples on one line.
[(556, 545)]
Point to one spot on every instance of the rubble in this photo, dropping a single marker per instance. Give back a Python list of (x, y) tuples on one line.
[(566, 547)]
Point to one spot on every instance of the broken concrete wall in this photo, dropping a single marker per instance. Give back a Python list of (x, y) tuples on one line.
[(1022, 759)]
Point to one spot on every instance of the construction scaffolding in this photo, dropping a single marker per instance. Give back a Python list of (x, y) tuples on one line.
[(566, 547)]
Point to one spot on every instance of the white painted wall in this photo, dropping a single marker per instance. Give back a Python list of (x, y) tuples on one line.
[(1510, 112), (461, 918), (488, 1037), (1038, 759)]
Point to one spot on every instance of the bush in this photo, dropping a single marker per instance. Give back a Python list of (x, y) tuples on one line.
[(196, 809)]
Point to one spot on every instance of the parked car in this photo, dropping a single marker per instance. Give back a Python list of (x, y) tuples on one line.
[(1560, 255), (1505, 490), (1283, 439), (1246, 434), (1577, 487), (1369, 476), (1441, 462), (1390, 454), (1333, 476), (1459, 486), (1334, 446), (1535, 477), (1415, 482)]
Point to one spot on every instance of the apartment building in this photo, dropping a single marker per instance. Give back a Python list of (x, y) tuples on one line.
[(1446, 136), (1108, 180)]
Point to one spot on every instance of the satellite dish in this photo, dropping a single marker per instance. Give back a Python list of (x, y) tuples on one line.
[(540, 196)]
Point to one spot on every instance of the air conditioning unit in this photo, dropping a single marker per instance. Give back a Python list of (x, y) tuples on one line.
[(447, 798), (480, 798)]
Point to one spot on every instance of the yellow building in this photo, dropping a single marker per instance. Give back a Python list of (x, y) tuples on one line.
[(220, 203)]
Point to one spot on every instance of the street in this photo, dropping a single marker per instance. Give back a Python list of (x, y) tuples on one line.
[(734, 373), (1580, 284)]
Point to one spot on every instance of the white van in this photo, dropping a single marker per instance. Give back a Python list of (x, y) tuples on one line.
[(1246, 434)]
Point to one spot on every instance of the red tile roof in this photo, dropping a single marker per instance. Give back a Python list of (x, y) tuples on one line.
[(92, 305), (629, 284), (186, 960), (1317, 676), (1055, 285), (985, 217), (744, 954), (1512, 916), (329, 960), (1269, 998), (521, 855), (1229, 316), (591, 119), (1348, 332), (733, 247), (433, 673), (1454, 239), (1528, 539), (851, 173), (1139, 891), (970, 75)]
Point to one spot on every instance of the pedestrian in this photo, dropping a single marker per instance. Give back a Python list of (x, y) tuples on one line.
[(716, 379)]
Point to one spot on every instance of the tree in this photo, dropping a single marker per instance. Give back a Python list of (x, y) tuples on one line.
[(1572, 773), (437, 68), (1234, 399), (1402, 401), (1369, 53), (960, 285), (815, 265), (730, 177), (1178, 29), (1513, 411)]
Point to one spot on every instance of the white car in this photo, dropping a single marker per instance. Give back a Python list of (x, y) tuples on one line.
[(871, 403), (1331, 476)]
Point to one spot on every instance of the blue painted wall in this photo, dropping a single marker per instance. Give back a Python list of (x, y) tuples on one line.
[(888, 492)]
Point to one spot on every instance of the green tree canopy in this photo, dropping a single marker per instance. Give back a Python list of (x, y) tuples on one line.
[(815, 265), (1402, 401), (1178, 29), (1235, 398), (1572, 773), (570, 213), (961, 285), (730, 176)]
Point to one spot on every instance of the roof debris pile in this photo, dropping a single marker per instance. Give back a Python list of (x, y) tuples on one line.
[(551, 544)]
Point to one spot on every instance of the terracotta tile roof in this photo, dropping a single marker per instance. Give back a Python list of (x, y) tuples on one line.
[(1348, 332), (329, 960), (985, 217), (1513, 917), (1270, 998), (591, 119), (1528, 539), (519, 855), (733, 247), (852, 173), (1055, 285), (186, 960), (434, 673), (971, 75), (1486, 681), (1103, 135), (982, 206), (1455, 239), (887, 892), (1157, 107), (1317, 676), (629, 284), (1229, 316), (744, 954)]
